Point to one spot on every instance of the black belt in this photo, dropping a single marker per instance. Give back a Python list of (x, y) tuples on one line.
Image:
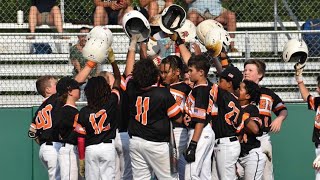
[(231, 139), (49, 143), (107, 141)]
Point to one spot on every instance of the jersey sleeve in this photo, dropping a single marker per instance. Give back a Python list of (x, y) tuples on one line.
[(201, 101), (173, 109), (80, 123), (278, 105), (313, 102)]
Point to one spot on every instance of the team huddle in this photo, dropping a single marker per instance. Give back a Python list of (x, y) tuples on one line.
[(220, 129)]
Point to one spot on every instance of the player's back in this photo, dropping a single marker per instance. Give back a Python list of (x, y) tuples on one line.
[(150, 110)]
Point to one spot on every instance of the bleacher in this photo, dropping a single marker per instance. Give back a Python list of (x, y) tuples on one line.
[(19, 69)]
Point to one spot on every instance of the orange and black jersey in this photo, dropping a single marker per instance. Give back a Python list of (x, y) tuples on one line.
[(123, 109), (99, 126), (180, 91), (225, 112), (45, 121), (68, 117), (197, 103), (269, 102), (314, 104), (150, 112), (250, 112)]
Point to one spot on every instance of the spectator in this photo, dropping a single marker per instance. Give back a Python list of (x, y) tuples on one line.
[(155, 6), (76, 57), (44, 12), (200, 10), (109, 12)]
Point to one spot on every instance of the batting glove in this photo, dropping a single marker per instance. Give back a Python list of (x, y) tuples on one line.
[(111, 56), (82, 167), (298, 74), (176, 37), (316, 163), (190, 154), (133, 42)]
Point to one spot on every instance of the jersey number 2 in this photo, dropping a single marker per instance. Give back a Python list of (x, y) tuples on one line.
[(142, 107), (98, 128)]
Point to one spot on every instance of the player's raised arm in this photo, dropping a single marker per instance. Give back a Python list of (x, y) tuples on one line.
[(115, 68), (131, 55)]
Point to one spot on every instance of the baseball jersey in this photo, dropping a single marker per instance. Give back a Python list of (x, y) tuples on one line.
[(314, 104), (197, 104), (68, 117), (251, 112), (45, 121), (180, 91), (150, 112), (225, 112), (269, 102), (99, 126), (123, 117)]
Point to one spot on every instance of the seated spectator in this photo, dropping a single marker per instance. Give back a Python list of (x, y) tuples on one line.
[(44, 12), (76, 57), (155, 6), (109, 12), (200, 10)]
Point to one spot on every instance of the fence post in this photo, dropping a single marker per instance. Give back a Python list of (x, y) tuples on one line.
[(275, 36), (247, 46)]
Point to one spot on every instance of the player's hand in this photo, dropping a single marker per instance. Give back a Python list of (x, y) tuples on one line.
[(82, 167), (316, 163), (317, 118), (196, 48), (133, 42), (176, 37), (190, 154), (298, 71), (275, 126), (111, 56)]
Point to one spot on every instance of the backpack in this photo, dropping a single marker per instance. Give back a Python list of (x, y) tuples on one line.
[(312, 39), (41, 48)]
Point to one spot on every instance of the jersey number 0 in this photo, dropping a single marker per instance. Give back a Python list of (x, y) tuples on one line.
[(142, 107)]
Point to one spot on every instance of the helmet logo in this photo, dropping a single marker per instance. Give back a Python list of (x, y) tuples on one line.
[(185, 34)]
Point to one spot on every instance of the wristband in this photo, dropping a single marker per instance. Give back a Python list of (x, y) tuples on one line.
[(91, 64)]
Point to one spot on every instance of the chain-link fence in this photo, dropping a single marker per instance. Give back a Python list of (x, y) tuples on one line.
[(262, 29)]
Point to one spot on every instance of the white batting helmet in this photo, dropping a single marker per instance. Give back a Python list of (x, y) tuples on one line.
[(295, 50), (172, 18), (135, 22), (216, 39), (95, 50), (203, 28), (188, 31), (103, 33)]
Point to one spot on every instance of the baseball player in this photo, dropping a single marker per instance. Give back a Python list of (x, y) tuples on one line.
[(171, 70), (44, 126), (201, 136), (68, 91), (151, 108), (225, 112), (254, 70), (252, 159)]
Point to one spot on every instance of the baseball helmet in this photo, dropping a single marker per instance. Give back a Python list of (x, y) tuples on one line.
[(188, 31), (95, 50), (295, 50), (172, 18), (204, 27), (216, 39), (103, 33), (135, 22)]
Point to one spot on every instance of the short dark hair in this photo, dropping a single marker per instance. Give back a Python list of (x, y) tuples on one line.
[(200, 62), (97, 91), (85, 28), (253, 90), (174, 61), (42, 83), (261, 66), (145, 73)]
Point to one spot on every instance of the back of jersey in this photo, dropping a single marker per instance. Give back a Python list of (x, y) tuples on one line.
[(150, 111)]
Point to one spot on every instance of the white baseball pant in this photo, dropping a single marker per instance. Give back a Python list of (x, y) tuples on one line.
[(253, 164), (100, 162), (267, 148), (48, 155), (226, 153), (123, 161), (317, 173), (201, 167), (147, 157), (68, 161), (181, 138)]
